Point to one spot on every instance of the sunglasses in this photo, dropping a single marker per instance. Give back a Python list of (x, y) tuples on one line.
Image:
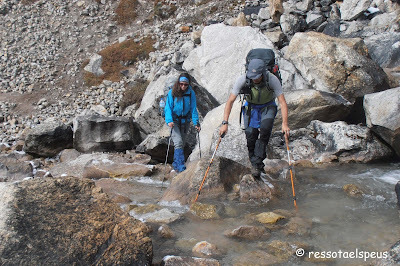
[(184, 84)]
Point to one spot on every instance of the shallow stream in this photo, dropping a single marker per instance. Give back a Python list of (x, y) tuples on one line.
[(340, 224)]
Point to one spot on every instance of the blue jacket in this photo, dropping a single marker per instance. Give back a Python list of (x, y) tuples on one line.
[(181, 107)]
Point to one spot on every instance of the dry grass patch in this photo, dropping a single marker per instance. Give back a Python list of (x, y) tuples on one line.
[(126, 11), (119, 57)]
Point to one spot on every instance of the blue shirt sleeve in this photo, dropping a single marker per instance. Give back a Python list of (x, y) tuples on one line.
[(169, 105), (193, 107)]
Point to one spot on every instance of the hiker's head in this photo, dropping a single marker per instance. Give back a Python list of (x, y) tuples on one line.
[(255, 69), (181, 85)]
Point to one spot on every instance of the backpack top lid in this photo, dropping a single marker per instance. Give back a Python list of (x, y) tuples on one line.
[(266, 55)]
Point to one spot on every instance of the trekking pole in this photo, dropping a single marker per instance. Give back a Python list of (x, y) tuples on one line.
[(198, 135), (208, 168), (166, 158), (290, 169)]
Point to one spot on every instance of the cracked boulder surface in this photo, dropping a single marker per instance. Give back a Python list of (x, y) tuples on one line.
[(71, 221)]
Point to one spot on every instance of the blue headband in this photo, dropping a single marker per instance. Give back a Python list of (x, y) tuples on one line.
[(185, 79)]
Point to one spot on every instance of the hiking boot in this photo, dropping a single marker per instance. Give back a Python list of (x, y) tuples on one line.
[(256, 172)]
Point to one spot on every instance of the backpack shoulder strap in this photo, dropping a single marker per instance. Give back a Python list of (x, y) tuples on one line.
[(266, 76)]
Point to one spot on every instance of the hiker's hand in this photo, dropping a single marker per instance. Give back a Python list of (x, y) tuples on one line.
[(285, 129), (171, 124), (223, 129), (198, 128)]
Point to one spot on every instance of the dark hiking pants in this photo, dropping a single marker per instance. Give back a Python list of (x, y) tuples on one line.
[(257, 138)]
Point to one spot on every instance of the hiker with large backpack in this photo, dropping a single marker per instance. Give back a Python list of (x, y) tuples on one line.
[(180, 109), (260, 88)]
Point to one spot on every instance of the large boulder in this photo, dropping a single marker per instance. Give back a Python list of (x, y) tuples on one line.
[(70, 221), (331, 142), (48, 139), (222, 176), (94, 133), (307, 105), (148, 116), (233, 146), (382, 110), (291, 77), (221, 57), (340, 66)]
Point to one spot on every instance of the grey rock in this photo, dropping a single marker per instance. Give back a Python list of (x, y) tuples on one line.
[(216, 69), (48, 139), (97, 133), (276, 37), (382, 111), (255, 190), (15, 167), (314, 20), (308, 105), (326, 142), (221, 177), (352, 9), (344, 67), (291, 23), (332, 28), (94, 65), (147, 116), (264, 14), (234, 140), (305, 5), (384, 49), (248, 232)]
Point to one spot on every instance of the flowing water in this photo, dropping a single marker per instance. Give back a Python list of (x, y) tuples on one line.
[(340, 224)]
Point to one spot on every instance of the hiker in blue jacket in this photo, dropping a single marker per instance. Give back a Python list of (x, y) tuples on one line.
[(180, 109)]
